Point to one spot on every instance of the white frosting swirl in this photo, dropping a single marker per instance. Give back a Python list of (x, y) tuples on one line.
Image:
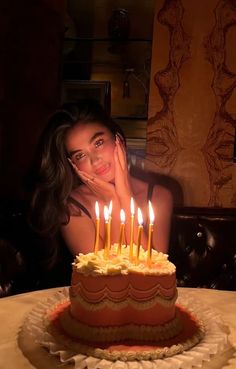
[(94, 264)]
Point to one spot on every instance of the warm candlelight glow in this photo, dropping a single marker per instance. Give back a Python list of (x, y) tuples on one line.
[(97, 210), (122, 230), (140, 217), (110, 208), (150, 232), (109, 225), (131, 227), (106, 213), (140, 230), (122, 216), (151, 212), (96, 245), (107, 231)]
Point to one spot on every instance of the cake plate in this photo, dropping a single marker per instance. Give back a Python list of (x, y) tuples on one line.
[(174, 356)]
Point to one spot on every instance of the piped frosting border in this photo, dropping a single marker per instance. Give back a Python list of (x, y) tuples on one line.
[(146, 353), (83, 332)]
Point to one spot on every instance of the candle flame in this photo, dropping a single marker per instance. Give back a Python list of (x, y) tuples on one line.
[(106, 213), (151, 213), (110, 208), (140, 217), (132, 206), (97, 210), (122, 216)]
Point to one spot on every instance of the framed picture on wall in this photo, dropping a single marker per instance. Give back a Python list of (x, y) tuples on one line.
[(73, 90)]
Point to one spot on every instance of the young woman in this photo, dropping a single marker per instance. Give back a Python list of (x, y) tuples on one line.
[(83, 160)]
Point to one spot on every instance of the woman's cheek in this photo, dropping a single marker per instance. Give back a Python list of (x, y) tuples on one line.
[(85, 167), (112, 149), (111, 153)]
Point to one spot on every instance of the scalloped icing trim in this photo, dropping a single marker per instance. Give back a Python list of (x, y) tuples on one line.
[(128, 292), (130, 332), (114, 305)]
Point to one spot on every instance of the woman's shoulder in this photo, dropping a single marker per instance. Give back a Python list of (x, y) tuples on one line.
[(151, 191), (162, 194), (138, 185)]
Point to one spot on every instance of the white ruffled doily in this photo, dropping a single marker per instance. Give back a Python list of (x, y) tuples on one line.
[(214, 341)]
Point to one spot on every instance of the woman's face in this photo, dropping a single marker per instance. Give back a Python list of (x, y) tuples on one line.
[(91, 149)]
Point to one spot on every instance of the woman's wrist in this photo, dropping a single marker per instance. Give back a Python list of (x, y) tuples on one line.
[(124, 191), (125, 200)]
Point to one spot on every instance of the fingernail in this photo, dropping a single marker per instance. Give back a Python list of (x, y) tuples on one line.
[(69, 160), (72, 164)]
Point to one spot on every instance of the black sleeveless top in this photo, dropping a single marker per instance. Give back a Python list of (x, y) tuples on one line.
[(85, 210), (80, 206)]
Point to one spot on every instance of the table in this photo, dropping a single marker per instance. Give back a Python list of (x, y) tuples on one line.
[(19, 355)]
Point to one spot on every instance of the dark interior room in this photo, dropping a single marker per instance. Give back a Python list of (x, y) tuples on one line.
[(164, 73)]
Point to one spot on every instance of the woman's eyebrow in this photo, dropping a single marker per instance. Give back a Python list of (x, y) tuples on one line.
[(97, 134)]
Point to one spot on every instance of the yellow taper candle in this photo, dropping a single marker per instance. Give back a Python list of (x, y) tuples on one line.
[(122, 230), (150, 232), (107, 230), (109, 225), (96, 245), (131, 228), (140, 231)]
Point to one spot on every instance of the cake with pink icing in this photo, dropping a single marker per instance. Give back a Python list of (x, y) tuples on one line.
[(116, 300)]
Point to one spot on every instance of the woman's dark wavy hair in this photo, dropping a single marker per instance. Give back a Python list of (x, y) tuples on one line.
[(55, 178)]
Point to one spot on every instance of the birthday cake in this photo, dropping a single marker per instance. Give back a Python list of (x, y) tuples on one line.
[(121, 308), (117, 300)]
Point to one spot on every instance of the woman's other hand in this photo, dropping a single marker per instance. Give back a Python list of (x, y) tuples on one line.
[(101, 189)]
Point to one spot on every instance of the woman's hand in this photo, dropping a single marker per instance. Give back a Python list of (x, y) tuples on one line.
[(103, 190), (100, 188)]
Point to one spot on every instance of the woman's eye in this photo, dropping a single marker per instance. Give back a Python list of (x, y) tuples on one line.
[(79, 156), (99, 142)]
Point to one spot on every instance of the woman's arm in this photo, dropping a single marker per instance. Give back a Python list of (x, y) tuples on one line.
[(162, 202), (79, 234)]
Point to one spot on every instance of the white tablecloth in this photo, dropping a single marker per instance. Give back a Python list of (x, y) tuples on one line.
[(16, 353)]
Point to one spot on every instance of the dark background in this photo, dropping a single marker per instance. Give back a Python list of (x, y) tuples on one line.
[(31, 41)]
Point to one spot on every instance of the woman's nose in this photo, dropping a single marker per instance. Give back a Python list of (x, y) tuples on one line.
[(94, 158)]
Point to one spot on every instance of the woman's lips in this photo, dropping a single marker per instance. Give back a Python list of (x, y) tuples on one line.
[(102, 170)]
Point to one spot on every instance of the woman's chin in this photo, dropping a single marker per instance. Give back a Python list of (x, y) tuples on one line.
[(109, 179)]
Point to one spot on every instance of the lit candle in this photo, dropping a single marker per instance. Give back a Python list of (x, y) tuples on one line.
[(107, 230), (122, 230), (96, 245), (150, 232), (131, 227), (140, 231), (110, 208), (109, 226)]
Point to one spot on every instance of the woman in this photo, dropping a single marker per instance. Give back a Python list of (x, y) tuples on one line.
[(83, 160)]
